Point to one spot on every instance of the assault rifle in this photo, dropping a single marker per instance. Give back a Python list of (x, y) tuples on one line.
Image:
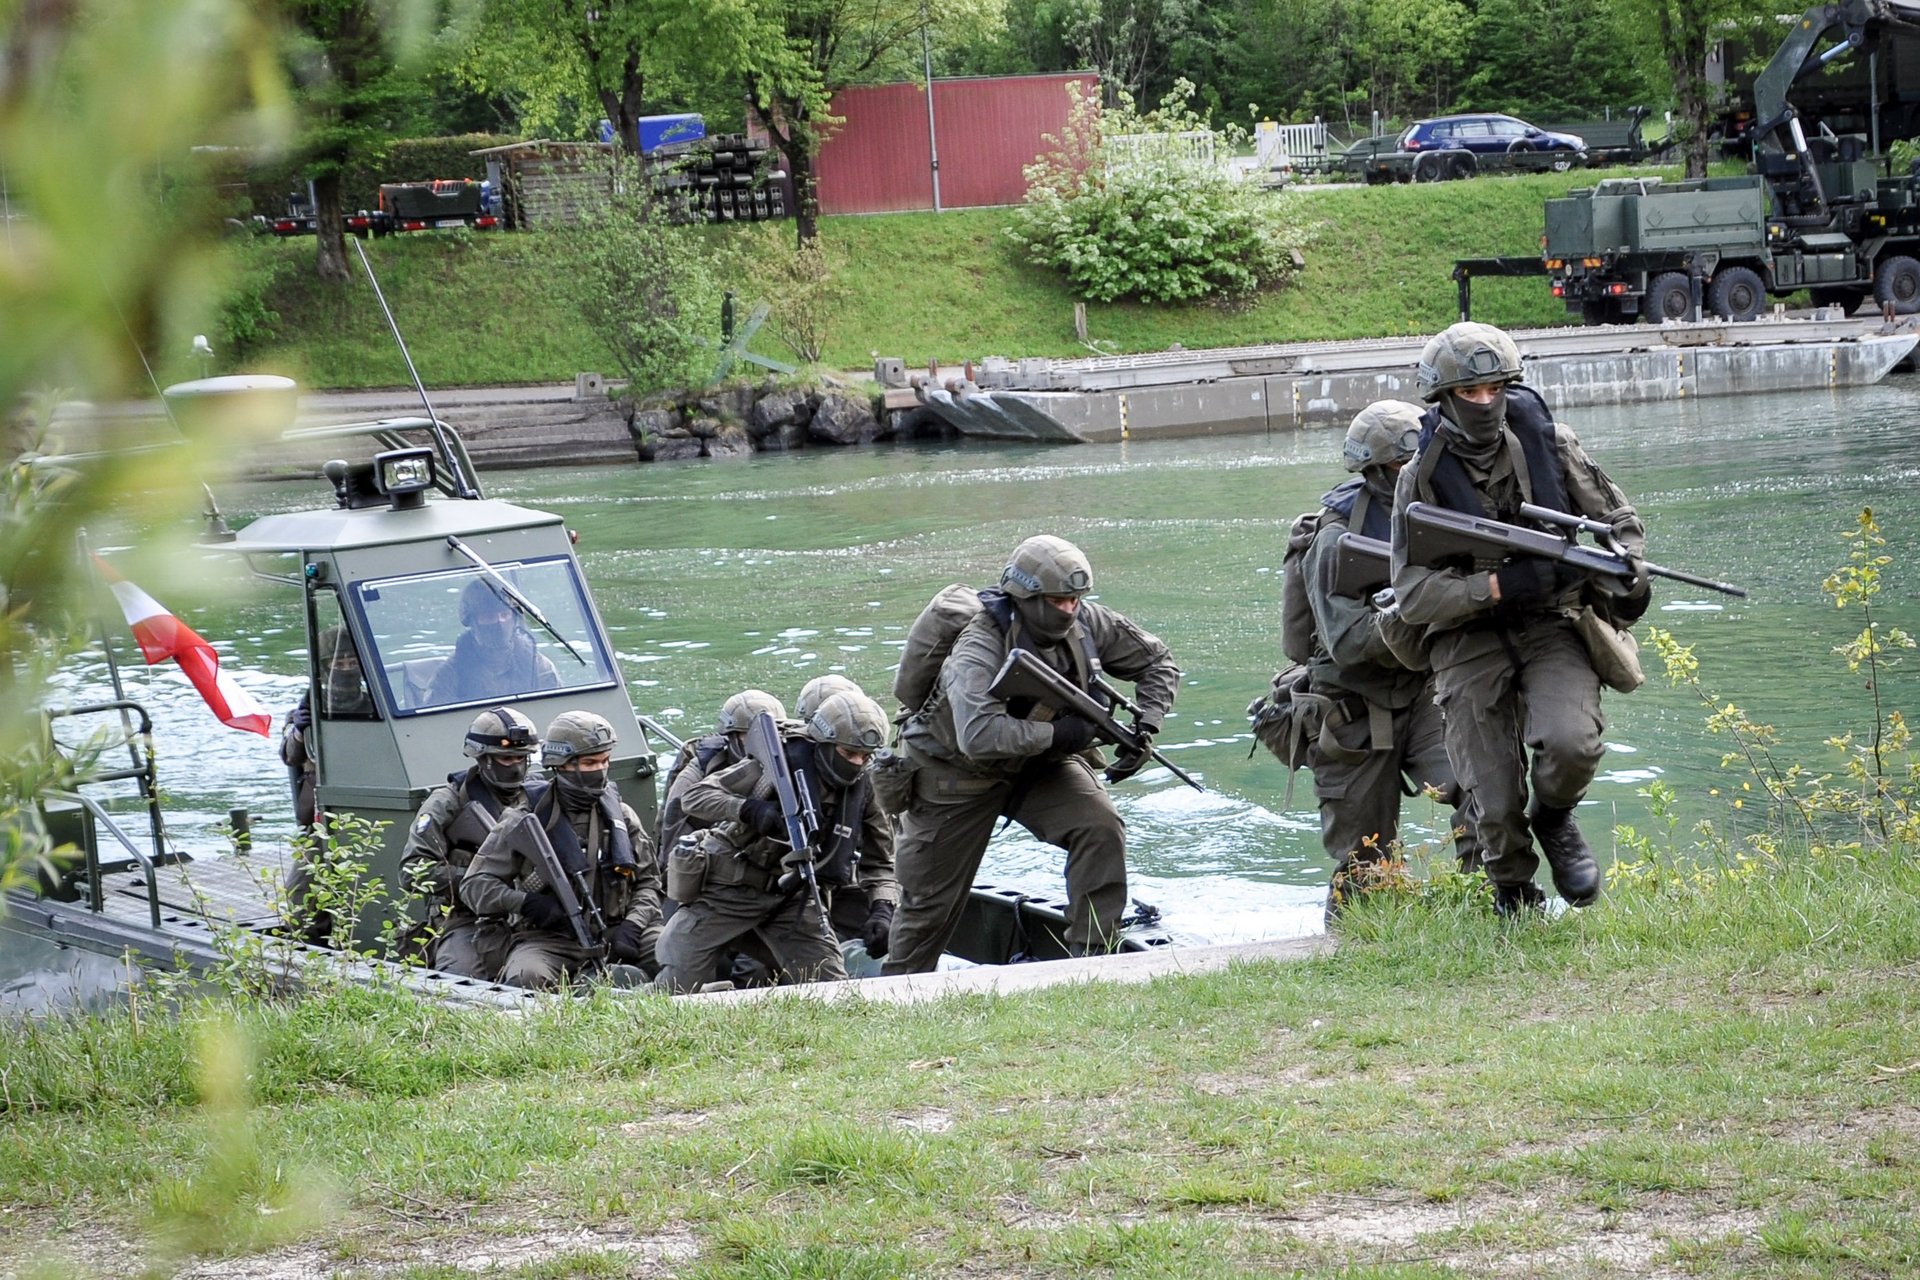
[(1024, 676), (795, 797), (661, 732), (1437, 535), (1362, 565), (571, 888)]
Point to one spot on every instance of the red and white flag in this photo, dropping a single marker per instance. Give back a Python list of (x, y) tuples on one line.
[(162, 636)]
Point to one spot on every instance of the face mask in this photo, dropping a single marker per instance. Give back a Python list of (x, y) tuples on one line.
[(580, 788), (346, 692), (1045, 621), (503, 773), (835, 768), (493, 634), (1478, 423)]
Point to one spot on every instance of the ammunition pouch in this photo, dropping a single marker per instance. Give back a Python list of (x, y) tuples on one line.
[(891, 775), (687, 869), (1614, 652)]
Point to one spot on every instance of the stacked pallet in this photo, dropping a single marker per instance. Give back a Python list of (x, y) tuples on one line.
[(725, 178)]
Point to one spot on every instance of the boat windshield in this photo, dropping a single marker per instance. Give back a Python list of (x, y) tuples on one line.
[(449, 639)]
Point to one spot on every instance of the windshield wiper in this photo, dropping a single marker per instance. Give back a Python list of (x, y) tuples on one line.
[(513, 595)]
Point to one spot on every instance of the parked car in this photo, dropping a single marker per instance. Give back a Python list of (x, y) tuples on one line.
[(1492, 134)]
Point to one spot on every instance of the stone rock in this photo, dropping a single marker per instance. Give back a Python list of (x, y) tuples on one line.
[(785, 438), (653, 422), (705, 428), (843, 418), (670, 448), (772, 411), (730, 442)]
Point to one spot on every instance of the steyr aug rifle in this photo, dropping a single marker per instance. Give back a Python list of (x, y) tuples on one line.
[(1023, 675), (797, 809)]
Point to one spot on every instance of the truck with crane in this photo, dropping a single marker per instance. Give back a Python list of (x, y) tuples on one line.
[(1816, 212)]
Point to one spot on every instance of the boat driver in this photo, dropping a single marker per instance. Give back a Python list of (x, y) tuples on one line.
[(495, 657)]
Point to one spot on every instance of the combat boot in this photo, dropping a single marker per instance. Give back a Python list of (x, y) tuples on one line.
[(1511, 900), (1575, 874)]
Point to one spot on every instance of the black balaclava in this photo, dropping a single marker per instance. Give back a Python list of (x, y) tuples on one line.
[(1045, 621), (580, 789), (835, 769), (1476, 429), (503, 773)]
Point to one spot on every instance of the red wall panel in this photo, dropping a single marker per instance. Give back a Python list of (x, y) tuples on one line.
[(989, 129)]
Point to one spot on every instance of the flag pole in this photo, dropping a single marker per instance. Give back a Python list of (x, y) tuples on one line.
[(106, 646)]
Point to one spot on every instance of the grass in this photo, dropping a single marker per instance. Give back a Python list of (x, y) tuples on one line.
[(482, 310), (1710, 1077)]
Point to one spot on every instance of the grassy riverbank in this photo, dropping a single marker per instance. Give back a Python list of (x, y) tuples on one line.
[(1711, 1073), (482, 310)]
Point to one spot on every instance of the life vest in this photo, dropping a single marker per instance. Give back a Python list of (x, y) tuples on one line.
[(1443, 479)]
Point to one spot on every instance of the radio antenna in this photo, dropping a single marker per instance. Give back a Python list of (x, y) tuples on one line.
[(464, 485)]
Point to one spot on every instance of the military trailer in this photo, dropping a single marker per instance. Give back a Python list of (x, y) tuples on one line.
[(1817, 213)]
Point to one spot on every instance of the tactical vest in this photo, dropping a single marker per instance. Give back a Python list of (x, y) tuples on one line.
[(1443, 479), (480, 812), (543, 801), (1354, 504), (838, 859)]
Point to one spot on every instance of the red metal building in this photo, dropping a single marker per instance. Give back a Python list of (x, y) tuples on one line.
[(988, 128)]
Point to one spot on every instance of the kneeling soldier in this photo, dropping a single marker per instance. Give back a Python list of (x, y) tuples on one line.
[(456, 819), (574, 870), (724, 747), (744, 877)]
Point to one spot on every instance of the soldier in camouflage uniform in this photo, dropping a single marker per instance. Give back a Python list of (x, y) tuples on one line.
[(592, 832), (721, 749), (976, 758), (1512, 675), (743, 878), (453, 823), (1373, 671)]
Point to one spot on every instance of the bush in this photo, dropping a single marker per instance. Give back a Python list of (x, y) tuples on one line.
[(1135, 206), (648, 289)]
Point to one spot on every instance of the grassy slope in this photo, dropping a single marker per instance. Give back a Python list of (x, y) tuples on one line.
[(1713, 1077), (481, 310)]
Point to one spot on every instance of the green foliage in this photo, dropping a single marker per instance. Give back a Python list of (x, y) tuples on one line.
[(807, 287), (649, 290), (1512, 41), (1126, 206)]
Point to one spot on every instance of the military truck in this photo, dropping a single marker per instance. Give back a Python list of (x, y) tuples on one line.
[(1817, 212)]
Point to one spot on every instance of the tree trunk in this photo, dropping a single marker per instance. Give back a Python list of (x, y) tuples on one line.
[(624, 107), (1685, 37), (329, 230), (795, 144)]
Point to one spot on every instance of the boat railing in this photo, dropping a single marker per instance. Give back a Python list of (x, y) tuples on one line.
[(456, 477), (96, 884), (140, 770)]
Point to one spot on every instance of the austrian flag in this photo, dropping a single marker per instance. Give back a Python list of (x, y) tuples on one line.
[(162, 636)]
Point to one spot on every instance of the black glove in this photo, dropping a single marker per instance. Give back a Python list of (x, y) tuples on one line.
[(1072, 734), (300, 718), (627, 943), (1632, 606), (878, 929), (764, 816), (544, 911), (1530, 582), (1127, 762)]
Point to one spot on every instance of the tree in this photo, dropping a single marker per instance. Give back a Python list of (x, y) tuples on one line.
[(1403, 52), (1683, 34), (1128, 42), (1597, 62), (567, 63), (803, 51), (349, 81)]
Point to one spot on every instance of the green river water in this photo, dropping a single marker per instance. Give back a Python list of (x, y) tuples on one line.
[(767, 572)]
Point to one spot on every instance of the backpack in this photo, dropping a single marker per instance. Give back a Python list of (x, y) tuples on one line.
[(929, 641), (1297, 639), (1286, 720)]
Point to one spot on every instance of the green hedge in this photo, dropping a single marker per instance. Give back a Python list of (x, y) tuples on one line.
[(401, 160)]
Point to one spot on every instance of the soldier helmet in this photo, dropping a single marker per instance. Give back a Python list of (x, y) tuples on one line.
[(501, 732), (331, 643), (574, 734), (737, 712), (480, 596), (1467, 354), (1047, 566), (1383, 434), (850, 720), (818, 690)]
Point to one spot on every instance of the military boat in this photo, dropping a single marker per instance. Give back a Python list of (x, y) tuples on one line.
[(380, 568)]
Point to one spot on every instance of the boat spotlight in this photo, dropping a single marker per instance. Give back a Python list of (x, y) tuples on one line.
[(404, 475)]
